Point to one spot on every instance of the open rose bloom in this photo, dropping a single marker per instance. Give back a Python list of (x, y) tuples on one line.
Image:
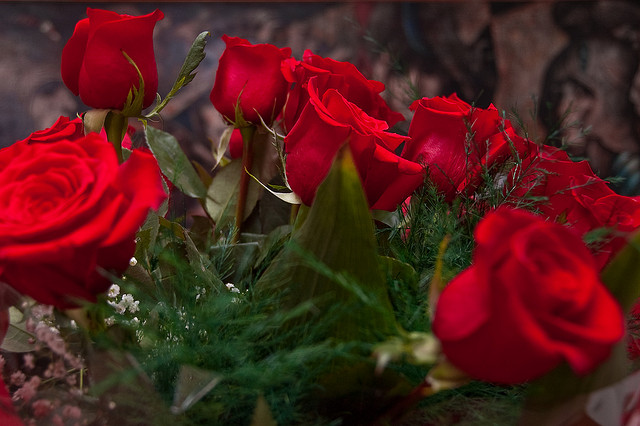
[(338, 263), (70, 214)]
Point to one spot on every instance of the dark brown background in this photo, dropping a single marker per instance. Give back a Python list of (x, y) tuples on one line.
[(544, 60)]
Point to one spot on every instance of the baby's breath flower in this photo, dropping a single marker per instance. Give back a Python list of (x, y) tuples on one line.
[(114, 291)]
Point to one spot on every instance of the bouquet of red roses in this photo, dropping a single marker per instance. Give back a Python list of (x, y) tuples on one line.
[(336, 271)]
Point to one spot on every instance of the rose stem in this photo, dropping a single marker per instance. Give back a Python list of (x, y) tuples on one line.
[(115, 125), (247, 159)]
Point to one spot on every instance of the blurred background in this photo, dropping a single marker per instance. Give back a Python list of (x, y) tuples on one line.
[(565, 72)]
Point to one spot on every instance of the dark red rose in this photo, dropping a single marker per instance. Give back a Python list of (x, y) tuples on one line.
[(457, 142), (332, 74), (531, 300), (325, 124), (573, 195), (62, 129), (249, 75), (93, 64), (69, 211)]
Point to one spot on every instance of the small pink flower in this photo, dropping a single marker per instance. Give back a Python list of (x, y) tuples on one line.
[(18, 378), (42, 408), (71, 412), (28, 361)]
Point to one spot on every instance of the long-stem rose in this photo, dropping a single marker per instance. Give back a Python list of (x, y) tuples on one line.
[(94, 65), (531, 299), (69, 213), (325, 124), (249, 77)]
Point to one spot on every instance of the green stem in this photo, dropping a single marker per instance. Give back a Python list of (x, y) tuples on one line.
[(247, 160), (115, 125), (295, 208)]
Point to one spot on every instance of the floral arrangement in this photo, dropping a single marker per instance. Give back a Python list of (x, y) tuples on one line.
[(339, 272)]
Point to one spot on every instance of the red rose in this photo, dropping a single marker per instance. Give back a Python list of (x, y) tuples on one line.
[(93, 64), (62, 129), (68, 211), (456, 142), (250, 75), (575, 196), (531, 300), (342, 76), (324, 125)]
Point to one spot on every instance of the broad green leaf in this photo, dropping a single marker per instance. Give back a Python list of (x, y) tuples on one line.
[(17, 338), (332, 260), (223, 193), (174, 163)]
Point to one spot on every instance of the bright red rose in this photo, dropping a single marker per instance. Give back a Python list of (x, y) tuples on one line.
[(68, 211), (93, 64), (332, 74), (575, 196), (249, 75), (325, 124), (456, 142), (531, 299), (62, 129)]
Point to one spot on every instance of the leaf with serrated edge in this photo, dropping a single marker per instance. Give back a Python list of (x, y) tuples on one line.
[(174, 163)]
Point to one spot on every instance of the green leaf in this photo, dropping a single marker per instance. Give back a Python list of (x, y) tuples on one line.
[(332, 260), (194, 57), (223, 193), (174, 163), (186, 75), (17, 338)]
